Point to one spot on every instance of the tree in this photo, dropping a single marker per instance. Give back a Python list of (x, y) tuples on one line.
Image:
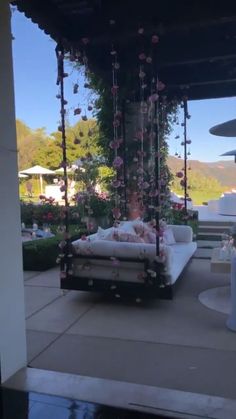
[(36, 147), (31, 144), (81, 139)]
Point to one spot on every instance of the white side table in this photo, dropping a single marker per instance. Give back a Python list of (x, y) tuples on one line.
[(231, 322), (227, 266), (218, 265)]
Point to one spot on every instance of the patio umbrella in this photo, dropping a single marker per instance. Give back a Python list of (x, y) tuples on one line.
[(78, 165), (227, 129), (21, 175), (230, 153), (61, 170), (38, 170)]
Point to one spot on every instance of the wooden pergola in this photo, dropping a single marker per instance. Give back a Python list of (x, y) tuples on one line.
[(196, 57), (196, 54)]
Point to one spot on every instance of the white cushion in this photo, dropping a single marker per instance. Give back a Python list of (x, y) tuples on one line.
[(180, 255), (182, 233), (127, 226), (168, 236), (105, 234), (123, 236), (124, 233)]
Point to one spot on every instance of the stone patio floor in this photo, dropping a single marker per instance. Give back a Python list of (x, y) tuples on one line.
[(178, 344)]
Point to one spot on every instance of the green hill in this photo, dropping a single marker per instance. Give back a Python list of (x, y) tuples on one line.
[(206, 180), (223, 171)]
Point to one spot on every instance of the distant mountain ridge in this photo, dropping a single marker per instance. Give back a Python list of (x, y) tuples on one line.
[(223, 171)]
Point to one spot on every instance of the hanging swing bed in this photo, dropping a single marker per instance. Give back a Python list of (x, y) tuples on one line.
[(130, 257)]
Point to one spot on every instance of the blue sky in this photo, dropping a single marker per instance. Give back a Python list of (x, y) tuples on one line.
[(36, 103)]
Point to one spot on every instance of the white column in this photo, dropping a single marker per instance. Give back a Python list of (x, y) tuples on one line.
[(12, 315)]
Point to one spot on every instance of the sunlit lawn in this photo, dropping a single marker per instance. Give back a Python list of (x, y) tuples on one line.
[(199, 197)]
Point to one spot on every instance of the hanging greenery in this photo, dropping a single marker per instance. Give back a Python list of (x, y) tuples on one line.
[(104, 114)]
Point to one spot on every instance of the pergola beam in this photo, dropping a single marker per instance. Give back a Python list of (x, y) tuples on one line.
[(47, 17), (197, 38)]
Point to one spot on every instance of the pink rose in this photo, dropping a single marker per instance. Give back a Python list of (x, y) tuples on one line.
[(117, 162), (155, 39), (142, 56)]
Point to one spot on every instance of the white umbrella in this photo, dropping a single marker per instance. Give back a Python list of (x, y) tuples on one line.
[(21, 175), (78, 165), (38, 170), (227, 129), (61, 170)]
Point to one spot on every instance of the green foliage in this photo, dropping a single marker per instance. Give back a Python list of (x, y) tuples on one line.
[(105, 176), (22, 130), (41, 254), (94, 205), (203, 185), (88, 135), (198, 197), (198, 182), (100, 206), (179, 217), (202, 188), (51, 214), (41, 214), (35, 188), (104, 115), (31, 145), (36, 147)]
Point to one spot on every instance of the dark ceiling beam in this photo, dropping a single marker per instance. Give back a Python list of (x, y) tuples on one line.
[(203, 92), (202, 83), (199, 60), (128, 34), (183, 56), (197, 49), (201, 73), (46, 16)]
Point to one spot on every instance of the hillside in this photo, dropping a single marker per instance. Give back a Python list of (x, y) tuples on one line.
[(35, 147), (223, 171)]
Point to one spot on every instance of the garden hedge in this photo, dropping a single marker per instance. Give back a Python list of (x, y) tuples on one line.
[(41, 254)]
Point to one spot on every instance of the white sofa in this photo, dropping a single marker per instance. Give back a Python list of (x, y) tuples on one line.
[(179, 253), (98, 257), (213, 205), (227, 204)]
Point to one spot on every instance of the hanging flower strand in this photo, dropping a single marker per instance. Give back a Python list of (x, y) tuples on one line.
[(143, 111), (65, 246), (144, 60), (88, 157), (116, 142), (60, 82)]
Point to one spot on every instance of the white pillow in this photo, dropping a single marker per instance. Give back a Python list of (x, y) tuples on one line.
[(103, 234), (168, 236), (127, 226), (122, 236), (141, 228)]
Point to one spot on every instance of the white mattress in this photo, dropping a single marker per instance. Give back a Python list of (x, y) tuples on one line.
[(115, 249), (177, 257)]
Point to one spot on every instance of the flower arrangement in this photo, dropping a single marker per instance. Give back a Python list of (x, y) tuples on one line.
[(93, 204)]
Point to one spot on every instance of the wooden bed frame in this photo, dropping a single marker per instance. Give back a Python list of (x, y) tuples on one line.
[(149, 288)]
